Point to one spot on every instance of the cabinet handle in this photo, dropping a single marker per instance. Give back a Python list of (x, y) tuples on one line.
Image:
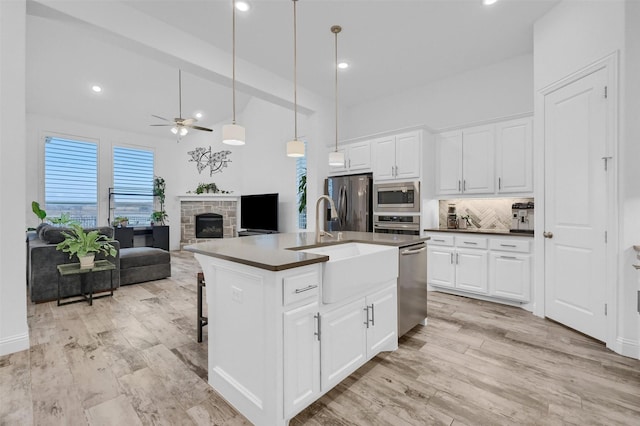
[(508, 245), (457, 258), (318, 322), (307, 288), (459, 186), (499, 183), (440, 241), (508, 257), (349, 162), (373, 316), (464, 185), (366, 309), (451, 259), (471, 242)]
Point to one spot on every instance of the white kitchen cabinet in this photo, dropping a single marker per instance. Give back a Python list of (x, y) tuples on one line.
[(397, 157), (459, 267), (510, 276), (514, 156), (441, 270), (356, 332), (301, 357), (357, 159), (471, 270), (465, 161)]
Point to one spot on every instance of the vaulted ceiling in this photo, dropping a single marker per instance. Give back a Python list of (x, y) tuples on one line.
[(391, 46)]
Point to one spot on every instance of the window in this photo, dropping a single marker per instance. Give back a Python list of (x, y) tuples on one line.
[(132, 185), (71, 179), (301, 183)]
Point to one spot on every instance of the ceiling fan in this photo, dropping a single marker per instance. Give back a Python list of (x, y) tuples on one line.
[(180, 126)]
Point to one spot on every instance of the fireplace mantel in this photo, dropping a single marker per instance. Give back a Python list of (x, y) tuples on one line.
[(208, 197)]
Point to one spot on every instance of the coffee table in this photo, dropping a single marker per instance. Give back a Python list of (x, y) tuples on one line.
[(69, 269)]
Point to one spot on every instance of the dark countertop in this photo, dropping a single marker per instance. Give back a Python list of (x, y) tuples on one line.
[(483, 231), (277, 252)]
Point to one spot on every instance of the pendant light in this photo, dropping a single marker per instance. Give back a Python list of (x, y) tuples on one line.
[(336, 158), (295, 148), (233, 134)]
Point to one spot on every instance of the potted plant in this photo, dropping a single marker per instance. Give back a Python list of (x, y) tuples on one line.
[(120, 221), (159, 187), (35, 207), (64, 219), (85, 245), (159, 217)]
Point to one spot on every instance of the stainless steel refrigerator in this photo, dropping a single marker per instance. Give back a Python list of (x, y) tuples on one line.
[(353, 197)]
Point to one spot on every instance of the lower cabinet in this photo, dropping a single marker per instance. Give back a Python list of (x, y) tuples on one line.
[(323, 346), (510, 276), (459, 268)]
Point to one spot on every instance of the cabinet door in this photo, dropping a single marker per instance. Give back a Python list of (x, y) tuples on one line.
[(124, 236), (478, 160), (510, 276), (160, 234), (408, 156), (514, 156), (344, 346), (441, 270), (382, 331), (384, 158), (359, 157), (301, 358), (339, 169), (471, 270), (449, 163)]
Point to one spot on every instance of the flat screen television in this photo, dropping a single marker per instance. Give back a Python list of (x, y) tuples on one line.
[(259, 212)]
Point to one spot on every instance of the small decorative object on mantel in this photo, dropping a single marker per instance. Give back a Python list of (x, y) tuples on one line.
[(204, 158), (209, 188)]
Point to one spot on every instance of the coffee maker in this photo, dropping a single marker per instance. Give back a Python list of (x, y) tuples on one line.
[(522, 217)]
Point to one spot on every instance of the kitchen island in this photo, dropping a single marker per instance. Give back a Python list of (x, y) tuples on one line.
[(278, 338)]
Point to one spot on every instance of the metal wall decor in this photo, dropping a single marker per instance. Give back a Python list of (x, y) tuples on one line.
[(204, 158)]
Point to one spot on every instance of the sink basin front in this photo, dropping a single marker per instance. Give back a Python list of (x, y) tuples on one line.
[(354, 268)]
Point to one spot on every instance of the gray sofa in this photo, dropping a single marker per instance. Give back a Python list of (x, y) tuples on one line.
[(43, 259)]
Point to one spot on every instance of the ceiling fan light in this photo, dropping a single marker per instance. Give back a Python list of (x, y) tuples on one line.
[(174, 130), (295, 148), (233, 134), (183, 131), (336, 158)]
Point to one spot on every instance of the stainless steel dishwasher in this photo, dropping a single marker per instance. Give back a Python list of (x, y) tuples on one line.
[(412, 287)]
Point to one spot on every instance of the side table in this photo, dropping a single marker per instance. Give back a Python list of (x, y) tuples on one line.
[(69, 269)]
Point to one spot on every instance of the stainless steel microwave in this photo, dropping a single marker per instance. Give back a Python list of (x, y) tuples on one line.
[(396, 197)]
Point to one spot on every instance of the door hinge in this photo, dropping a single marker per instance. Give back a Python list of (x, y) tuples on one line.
[(605, 309), (605, 92)]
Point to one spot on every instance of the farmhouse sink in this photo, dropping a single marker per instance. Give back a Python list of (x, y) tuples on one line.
[(355, 267)]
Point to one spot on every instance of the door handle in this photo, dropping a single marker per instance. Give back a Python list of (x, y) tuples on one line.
[(547, 234)]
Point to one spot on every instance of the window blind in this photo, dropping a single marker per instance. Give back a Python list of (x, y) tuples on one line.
[(133, 184)]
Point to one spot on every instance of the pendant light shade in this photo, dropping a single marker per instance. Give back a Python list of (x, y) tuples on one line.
[(336, 158), (233, 134), (295, 148)]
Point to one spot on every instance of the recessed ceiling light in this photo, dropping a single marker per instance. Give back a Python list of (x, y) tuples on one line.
[(198, 115), (242, 6), (488, 2), (343, 65), (96, 88)]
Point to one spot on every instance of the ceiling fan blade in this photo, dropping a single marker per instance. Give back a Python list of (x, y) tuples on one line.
[(200, 128), (189, 121), (161, 118), (167, 125)]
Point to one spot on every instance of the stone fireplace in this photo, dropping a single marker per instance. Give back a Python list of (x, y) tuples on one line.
[(215, 210)]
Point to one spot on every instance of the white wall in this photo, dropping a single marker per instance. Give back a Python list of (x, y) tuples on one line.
[(499, 90), (14, 333), (570, 37)]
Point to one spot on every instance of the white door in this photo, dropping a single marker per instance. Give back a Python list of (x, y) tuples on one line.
[(301, 358), (408, 156), (344, 347), (382, 332), (575, 205), (449, 163), (478, 160), (384, 158)]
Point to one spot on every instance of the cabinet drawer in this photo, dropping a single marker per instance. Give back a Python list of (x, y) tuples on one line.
[(471, 242), (440, 240), (300, 287), (510, 245)]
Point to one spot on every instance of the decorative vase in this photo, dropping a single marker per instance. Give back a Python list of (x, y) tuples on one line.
[(87, 262)]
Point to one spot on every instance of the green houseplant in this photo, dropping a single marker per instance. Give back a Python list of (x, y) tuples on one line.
[(159, 187), (85, 245), (35, 207)]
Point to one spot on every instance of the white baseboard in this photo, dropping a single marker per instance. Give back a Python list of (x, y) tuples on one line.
[(627, 347), (11, 344)]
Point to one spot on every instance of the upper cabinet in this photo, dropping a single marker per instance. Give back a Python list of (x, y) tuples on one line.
[(489, 159), (514, 156), (397, 157), (357, 159)]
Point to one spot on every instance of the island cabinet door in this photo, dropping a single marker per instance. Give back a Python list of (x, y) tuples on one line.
[(382, 318), (301, 358), (343, 342)]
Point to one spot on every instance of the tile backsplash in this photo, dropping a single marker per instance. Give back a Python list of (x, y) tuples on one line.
[(493, 213)]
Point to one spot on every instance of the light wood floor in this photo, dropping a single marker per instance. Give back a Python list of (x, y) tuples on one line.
[(134, 359)]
